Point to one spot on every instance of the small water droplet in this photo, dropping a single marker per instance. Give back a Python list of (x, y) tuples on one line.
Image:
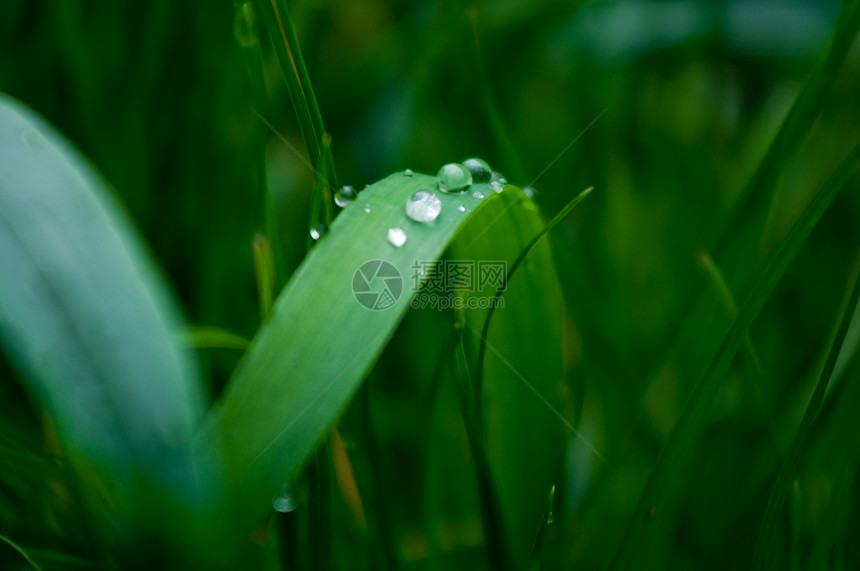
[(531, 193), (453, 178), (495, 186), (478, 195), (479, 168), (344, 196), (549, 518), (408, 172), (366, 209), (461, 208), (318, 231), (423, 206), (496, 177), (397, 236), (285, 499)]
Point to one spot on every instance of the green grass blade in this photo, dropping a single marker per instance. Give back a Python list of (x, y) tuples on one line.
[(308, 360), (497, 544), (485, 329), (20, 554), (89, 325), (279, 26), (737, 249), (501, 136), (523, 411), (750, 211), (696, 409), (536, 560), (786, 473), (208, 337), (834, 527), (264, 270)]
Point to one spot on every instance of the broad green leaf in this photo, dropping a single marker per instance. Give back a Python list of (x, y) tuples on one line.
[(88, 323), (687, 427), (322, 339)]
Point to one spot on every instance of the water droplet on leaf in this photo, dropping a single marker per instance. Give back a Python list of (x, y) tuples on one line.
[(496, 177), (479, 168), (531, 193), (461, 208), (478, 195), (423, 206), (495, 186), (318, 231), (453, 178), (344, 195), (408, 172), (366, 209), (397, 236), (285, 499)]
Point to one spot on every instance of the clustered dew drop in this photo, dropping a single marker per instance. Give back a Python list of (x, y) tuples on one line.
[(453, 177), (478, 194), (423, 206), (344, 196), (479, 168)]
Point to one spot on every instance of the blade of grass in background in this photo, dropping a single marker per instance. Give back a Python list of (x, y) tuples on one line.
[(309, 359), (207, 337), (536, 559), (264, 269), (522, 369), (485, 329), (737, 250), (279, 25), (501, 137), (88, 323), (497, 543), (696, 409), (787, 472), (24, 560)]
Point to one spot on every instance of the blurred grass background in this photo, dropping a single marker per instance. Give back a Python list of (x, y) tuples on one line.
[(158, 96)]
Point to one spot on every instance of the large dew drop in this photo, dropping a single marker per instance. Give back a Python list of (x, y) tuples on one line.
[(397, 236), (479, 168), (453, 177), (423, 206), (344, 196)]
